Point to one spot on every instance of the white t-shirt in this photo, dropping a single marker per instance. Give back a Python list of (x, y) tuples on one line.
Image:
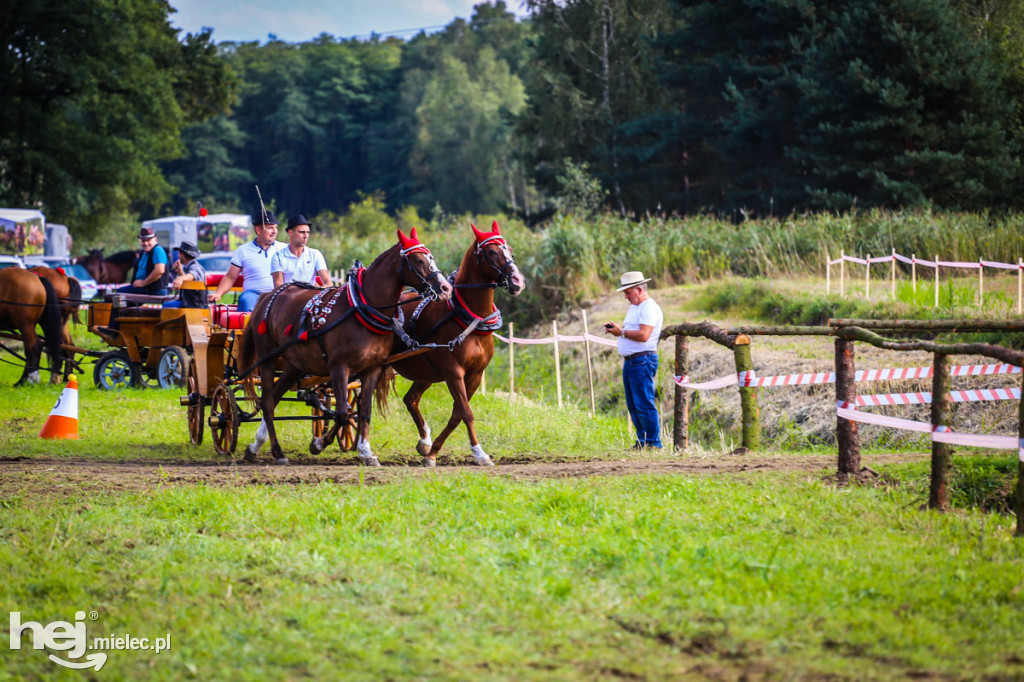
[(255, 265), (649, 313), (302, 268)]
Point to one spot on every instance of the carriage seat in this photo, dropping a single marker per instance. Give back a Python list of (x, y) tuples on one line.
[(213, 280), (227, 316), (137, 311)]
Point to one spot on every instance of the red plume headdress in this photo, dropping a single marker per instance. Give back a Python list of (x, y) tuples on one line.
[(411, 244), (492, 237)]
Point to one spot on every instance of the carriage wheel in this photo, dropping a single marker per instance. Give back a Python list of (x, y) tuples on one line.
[(172, 370), (115, 370), (224, 419), (326, 397), (347, 433), (196, 407)]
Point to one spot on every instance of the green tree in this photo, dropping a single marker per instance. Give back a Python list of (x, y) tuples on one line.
[(95, 96)]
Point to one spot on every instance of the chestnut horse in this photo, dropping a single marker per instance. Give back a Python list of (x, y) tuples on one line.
[(112, 270), (27, 300), (69, 294), (342, 332), (487, 264)]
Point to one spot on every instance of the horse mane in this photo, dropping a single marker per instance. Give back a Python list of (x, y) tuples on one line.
[(122, 258)]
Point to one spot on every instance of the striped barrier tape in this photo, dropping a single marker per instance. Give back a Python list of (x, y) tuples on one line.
[(751, 378), (560, 337), (939, 433), (928, 263), (925, 397)]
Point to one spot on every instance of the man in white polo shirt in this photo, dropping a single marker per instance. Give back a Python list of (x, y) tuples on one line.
[(299, 262), (252, 261), (638, 346)]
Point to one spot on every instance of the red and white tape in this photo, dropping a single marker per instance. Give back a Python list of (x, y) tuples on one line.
[(751, 379), (551, 339), (939, 433), (928, 263), (925, 397)]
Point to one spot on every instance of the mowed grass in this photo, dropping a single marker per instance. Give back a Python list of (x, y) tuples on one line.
[(477, 577)]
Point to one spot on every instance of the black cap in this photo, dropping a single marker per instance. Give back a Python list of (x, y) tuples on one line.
[(295, 221), (259, 219), (189, 249)]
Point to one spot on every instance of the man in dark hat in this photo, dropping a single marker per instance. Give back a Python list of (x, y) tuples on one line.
[(150, 275), (252, 261), (190, 271), (299, 262)]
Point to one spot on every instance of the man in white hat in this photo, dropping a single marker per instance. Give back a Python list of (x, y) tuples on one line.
[(638, 346)]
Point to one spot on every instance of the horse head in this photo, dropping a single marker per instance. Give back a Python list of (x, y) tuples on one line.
[(422, 273), (493, 251), (93, 263)]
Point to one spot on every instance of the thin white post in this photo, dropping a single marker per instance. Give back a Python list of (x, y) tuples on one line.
[(981, 285), (1020, 284), (913, 270), (828, 275), (558, 369), (936, 280), (511, 363), (893, 263), (590, 370), (842, 273), (867, 278)]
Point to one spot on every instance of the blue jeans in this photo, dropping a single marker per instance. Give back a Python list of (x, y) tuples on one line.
[(247, 301), (638, 379)]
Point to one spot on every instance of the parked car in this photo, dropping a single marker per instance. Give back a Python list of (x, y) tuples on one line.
[(11, 262), (216, 262)]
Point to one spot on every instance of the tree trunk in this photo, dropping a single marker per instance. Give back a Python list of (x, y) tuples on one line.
[(942, 453), (847, 434), (748, 395), (681, 411)]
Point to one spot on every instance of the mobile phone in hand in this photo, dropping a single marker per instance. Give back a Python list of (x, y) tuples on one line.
[(608, 325)]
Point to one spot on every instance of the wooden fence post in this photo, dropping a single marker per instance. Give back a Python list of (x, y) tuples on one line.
[(590, 368), (1020, 464), (981, 284), (842, 273), (511, 362), (936, 280), (913, 270), (893, 271), (748, 395), (942, 453), (867, 278), (828, 275), (847, 434), (1020, 284), (681, 411), (558, 366)]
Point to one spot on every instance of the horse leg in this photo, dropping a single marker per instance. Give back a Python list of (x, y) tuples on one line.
[(272, 393), (412, 404), (365, 410), (472, 382), (33, 352), (339, 381), (460, 412)]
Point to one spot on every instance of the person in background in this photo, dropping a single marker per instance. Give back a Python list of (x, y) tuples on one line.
[(299, 262), (188, 269), (150, 275), (252, 261), (638, 346)]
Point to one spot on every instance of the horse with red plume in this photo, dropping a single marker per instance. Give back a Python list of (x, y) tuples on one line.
[(487, 264), (342, 332)]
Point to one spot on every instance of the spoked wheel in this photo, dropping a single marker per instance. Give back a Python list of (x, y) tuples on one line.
[(172, 370), (115, 370), (326, 397), (224, 420), (196, 407), (347, 433)]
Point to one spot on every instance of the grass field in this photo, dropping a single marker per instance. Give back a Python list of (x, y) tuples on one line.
[(464, 573)]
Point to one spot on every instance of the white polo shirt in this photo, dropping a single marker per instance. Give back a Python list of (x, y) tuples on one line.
[(254, 262), (649, 313), (299, 268)]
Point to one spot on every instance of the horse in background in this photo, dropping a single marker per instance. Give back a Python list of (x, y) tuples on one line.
[(69, 295), (486, 265), (27, 300), (341, 332), (111, 270)]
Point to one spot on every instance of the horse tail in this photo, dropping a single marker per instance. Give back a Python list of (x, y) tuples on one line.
[(74, 298), (385, 385), (53, 326)]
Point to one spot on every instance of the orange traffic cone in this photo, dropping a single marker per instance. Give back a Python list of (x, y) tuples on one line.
[(63, 419)]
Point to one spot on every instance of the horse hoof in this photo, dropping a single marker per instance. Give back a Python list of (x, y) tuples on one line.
[(429, 462), (484, 461), (423, 446), (316, 446), (282, 462), (370, 461), (250, 456)]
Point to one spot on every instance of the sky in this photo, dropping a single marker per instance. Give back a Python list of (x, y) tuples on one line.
[(297, 21)]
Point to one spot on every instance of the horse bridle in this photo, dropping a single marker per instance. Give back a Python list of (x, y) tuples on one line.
[(426, 290), (504, 278)]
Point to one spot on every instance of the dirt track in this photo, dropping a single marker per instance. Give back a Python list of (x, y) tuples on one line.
[(62, 477)]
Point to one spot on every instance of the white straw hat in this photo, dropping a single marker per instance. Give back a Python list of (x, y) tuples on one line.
[(632, 279)]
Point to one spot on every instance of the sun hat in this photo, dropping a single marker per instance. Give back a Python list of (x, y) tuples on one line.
[(147, 233), (295, 221), (265, 218), (632, 279), (189, 249)]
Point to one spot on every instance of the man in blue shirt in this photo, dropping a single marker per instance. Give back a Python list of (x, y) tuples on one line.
[(150, 273), (252, 261)]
